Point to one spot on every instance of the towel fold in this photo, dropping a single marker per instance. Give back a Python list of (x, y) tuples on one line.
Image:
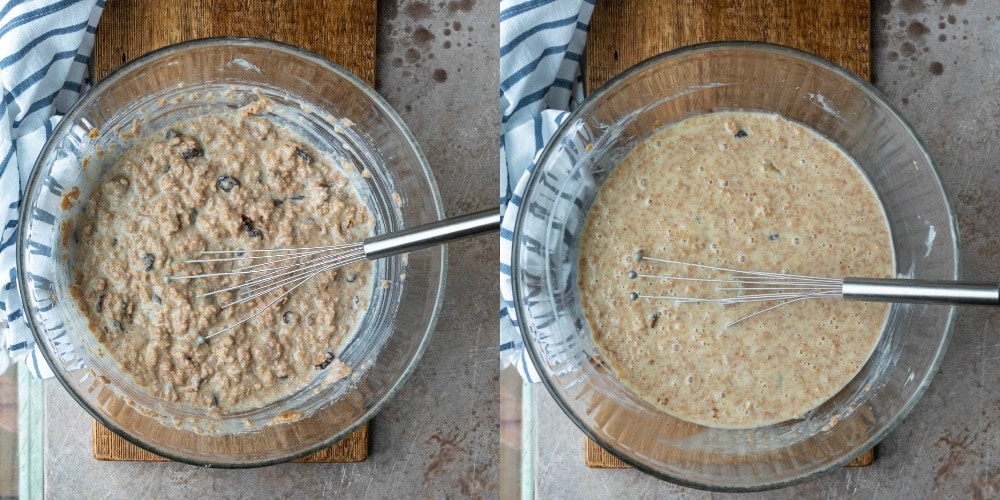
[(45, 48), (541, 48)]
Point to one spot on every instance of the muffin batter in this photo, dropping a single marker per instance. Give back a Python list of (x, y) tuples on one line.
[(747, 191), (219, 181)]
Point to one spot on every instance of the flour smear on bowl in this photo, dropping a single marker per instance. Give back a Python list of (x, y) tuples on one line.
[(223, 180), (744, 190)]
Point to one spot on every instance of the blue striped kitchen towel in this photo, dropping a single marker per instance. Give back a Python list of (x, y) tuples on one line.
[(541, 48), (45, 47)]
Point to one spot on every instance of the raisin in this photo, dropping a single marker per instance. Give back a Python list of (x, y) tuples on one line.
[(654, 319), (227, 183), (148, 261), (277, 202), (249, 229), (326, 362), (100, 304), (184, 146), (741, 134), (157, 299), (192, 152), (301, 153)]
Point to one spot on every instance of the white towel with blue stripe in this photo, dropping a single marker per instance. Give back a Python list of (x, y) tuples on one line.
[(541, 48), (45, 48)]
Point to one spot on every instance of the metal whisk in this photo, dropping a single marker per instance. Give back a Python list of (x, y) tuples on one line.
[(285, 269), (740, 286)]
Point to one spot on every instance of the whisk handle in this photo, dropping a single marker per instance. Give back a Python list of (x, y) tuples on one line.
[(435, 233), (922, 291)]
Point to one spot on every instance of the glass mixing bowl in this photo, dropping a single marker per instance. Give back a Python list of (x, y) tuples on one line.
[(320, 101), (588, 146)]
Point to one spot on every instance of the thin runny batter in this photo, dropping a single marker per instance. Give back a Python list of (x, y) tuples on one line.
[(748, 191), (219, 181)]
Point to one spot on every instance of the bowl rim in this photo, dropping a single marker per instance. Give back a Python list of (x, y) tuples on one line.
[(564, 128), (139, 63)]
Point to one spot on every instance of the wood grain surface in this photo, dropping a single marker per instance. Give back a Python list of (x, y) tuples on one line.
[(340, 30), (596, 457), (109, 446), (625, 32)]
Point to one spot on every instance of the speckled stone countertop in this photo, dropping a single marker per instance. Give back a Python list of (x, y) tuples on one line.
[(438, 66), (939, 63)]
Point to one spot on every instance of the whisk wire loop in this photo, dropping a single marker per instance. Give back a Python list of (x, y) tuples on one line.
[(265, 286), (202, 339), (784, 289), (744, 286), (285, 269)]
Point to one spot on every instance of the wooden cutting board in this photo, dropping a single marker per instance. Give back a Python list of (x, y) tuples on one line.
[(340, 30), (112, 447), (625, 32)]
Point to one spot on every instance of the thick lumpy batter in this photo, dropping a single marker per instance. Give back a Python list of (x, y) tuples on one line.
[(220, 181), (747, 191)]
